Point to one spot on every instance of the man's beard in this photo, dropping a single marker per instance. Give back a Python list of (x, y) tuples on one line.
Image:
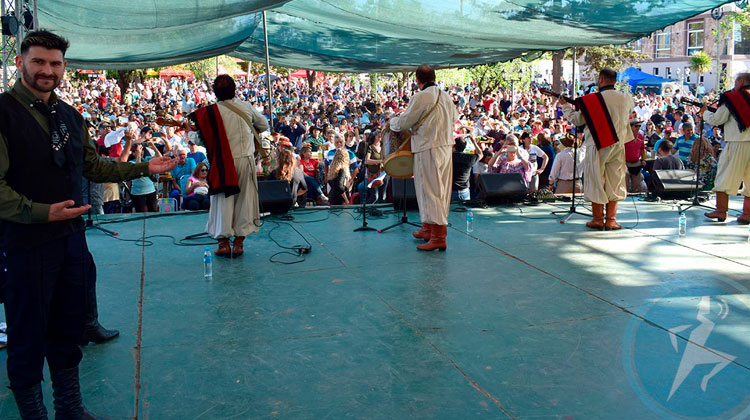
[(33, 82)]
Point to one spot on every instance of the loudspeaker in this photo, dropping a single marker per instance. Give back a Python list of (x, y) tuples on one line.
[(674, 183), (404, 194), (502, 188), (275, 196)]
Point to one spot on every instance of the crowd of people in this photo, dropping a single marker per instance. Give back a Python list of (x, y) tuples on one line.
[(521, 132)]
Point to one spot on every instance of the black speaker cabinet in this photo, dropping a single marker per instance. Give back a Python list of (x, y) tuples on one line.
[(502, 188), (275, 196), (674, 183)]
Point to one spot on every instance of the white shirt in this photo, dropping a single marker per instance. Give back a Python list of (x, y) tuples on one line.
[(437, 129), (562, 167), (732, 132), (535, 152)]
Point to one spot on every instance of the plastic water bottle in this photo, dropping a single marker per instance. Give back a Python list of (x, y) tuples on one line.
[(208, 264), (469, 221), (683, 224), (748, 240)]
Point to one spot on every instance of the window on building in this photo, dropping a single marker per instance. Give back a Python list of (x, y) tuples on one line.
[(656, 71), (663, 44), (636, 45), (741, 40), (695, 37), (669, 72)]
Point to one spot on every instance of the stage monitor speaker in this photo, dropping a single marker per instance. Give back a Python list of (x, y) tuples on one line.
[(404, 194), (275, 197), (502, 188), (674, 183)]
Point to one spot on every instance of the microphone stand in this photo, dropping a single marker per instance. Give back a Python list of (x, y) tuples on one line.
[(696, 202), (572, 209), (404, 218), (364, 226)]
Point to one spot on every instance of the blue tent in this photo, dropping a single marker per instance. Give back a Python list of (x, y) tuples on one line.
[(636, 78)]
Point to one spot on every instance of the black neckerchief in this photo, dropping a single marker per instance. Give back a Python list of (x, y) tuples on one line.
[(428, 84), (608, 87), (58, 131)]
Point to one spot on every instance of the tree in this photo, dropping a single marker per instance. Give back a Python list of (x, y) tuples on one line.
[(557, 70), (732, 19), (490, 77), (311, 76), (700, 62), (598, 58)]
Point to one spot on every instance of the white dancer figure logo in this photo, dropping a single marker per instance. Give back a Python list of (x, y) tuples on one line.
[(696, 353)]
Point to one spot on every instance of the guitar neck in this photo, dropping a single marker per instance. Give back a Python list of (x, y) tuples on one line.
[(550, 92), (698, 104)]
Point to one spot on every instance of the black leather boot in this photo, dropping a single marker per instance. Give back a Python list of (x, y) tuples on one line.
[(97, 334), (67, 394), (30, 402)]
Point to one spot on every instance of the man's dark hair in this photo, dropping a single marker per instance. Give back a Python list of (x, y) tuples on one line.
[(44, 39), (608, 74), (460, 145), (666, 146), (425, 74), (224, 87)]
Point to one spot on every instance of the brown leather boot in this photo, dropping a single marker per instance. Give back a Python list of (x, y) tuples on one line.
[(611, 223), (437, 239), (423, 233), (237, 248), (223, 250), (722, 206), (598, 221), (744, 218)]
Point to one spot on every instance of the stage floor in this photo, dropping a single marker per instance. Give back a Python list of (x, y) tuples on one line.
[(525, 318)]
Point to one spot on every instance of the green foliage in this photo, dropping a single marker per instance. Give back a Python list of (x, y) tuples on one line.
[(490, 77), (618, 58), (453, 76), (700, 62)]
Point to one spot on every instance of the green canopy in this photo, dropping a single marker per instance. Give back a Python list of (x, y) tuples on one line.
[(349, 35)]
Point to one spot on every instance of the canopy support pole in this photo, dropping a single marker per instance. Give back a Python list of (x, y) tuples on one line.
[(268, 73), (575, 86)]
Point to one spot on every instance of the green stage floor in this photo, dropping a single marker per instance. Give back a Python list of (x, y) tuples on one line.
[(525, 318)]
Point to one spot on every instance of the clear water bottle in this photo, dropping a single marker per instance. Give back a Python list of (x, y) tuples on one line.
[(683, 224), (469, 221), (208, 263)]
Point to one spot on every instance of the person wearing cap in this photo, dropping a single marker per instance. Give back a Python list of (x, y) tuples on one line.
[(509, 160), (604, 146), (432, 144), (635, 157), (196, 154)]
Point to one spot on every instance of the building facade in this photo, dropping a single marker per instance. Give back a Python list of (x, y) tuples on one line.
[(669, 50)]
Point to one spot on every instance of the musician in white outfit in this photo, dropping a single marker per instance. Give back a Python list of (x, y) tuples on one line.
[(236, 215), (434, 113), (734, 162), (604, 169)]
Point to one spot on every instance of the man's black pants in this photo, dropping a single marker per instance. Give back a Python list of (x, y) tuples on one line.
[(45, 302)]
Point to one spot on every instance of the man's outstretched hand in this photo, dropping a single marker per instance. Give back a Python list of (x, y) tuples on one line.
[(161, 164), (64, 210)]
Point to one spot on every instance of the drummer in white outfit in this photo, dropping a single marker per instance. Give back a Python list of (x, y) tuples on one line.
[(432, 145)]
